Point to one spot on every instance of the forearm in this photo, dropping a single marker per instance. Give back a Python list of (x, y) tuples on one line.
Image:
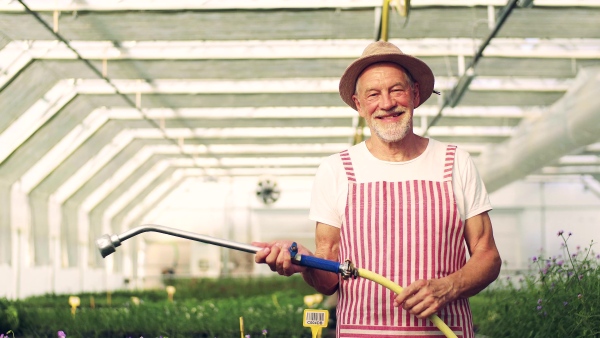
[(480, 270), (327, 244), (324, 282)]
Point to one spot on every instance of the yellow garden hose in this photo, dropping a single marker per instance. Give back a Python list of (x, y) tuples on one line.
[(379, 279), (107, 244)]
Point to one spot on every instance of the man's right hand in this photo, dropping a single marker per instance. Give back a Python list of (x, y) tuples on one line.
[(277, 256)]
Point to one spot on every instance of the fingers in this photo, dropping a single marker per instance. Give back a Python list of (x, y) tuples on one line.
[(419, 299), (276, 255), (408, 292), (262, 255)]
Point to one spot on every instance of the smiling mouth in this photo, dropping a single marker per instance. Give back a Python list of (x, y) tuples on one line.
[(389, 115)]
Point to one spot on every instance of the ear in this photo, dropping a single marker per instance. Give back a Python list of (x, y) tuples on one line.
[(357, 104), (417, 95)]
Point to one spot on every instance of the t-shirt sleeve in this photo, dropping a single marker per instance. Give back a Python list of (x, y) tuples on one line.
[(475, 197), (324, 198)]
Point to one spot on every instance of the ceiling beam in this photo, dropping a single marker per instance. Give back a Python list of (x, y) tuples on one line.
[(23, 50), (128, 5)]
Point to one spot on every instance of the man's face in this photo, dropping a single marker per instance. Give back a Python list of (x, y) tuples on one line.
[(386, 100)]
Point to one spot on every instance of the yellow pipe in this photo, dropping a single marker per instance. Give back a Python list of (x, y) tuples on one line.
[(384, 20), (437, 321)]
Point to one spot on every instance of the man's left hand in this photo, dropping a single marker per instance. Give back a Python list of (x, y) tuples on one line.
[(423, 298)]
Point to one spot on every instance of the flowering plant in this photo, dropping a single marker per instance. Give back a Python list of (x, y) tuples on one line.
[(559, 298)]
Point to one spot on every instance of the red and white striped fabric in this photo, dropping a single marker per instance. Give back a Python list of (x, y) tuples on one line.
[(405, 231)]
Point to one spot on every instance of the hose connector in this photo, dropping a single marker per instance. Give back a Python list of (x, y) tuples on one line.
[(347, 270)]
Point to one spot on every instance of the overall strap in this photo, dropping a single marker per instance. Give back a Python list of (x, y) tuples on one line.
[(347, 162), (449, 162)]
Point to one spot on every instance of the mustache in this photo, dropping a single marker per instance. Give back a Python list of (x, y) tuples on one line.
[(397, 110)]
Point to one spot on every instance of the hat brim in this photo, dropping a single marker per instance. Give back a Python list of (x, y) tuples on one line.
[(418, 69)]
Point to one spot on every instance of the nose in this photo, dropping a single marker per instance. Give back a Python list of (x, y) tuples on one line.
[(387, 102)]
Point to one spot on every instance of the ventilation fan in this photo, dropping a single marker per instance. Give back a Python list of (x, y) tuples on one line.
[(267, 191)]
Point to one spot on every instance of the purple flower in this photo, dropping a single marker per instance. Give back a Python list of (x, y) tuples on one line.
[(535, 258), (579, 296), (61, 334), (247, 336), (570, 234), (560, 263), (560, 232), (565, 303), (539, 301), (264, 332), (539, 307), (580, 277)]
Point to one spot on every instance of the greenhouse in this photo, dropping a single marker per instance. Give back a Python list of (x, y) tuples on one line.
[(151, 150)]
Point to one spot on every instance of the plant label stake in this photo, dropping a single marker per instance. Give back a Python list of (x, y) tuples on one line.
[(170, 292), (316, 320), (74, 302)]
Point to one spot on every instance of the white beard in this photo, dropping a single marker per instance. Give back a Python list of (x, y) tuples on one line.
[(389, 132)]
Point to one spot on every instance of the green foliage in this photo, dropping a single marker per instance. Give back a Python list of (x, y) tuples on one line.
[(560, 298), (212, 308), (9, 316), (280, 314), (189, 289)]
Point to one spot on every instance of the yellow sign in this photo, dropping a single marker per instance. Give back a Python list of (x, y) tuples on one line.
[(170, 292), (316, 320), (74, 301)]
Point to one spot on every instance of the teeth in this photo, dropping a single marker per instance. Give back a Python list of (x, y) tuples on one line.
[(391, 115)]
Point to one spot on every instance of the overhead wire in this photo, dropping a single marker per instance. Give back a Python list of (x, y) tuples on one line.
[(465, 79)]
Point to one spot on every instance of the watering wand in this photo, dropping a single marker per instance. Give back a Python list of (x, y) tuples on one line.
[(107, 244)]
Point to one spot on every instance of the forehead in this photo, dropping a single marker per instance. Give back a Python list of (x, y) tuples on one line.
[(384, 71)]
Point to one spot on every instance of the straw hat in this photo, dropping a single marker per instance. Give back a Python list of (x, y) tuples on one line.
[(383, 51)]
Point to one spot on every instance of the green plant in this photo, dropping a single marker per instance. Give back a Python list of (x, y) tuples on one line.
[(9, 316), (201, 308), (559, 298)]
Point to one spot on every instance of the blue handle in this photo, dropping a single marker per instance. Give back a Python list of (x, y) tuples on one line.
[(319, 263), (313, 262)]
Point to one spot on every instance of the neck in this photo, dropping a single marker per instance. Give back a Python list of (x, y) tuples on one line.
[(410, 147)]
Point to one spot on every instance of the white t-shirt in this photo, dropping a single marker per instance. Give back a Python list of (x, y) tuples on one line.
[(330, 188)]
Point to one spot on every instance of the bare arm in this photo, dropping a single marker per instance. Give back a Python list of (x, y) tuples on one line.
[(277, 256), (328, 241), (425, 297)]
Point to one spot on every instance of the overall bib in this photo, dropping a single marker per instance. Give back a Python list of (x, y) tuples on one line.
[(405, 231)]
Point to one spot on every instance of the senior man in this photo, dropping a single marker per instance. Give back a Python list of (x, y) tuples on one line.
[(401, 205)]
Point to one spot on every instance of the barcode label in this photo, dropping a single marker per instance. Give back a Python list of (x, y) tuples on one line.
[(316, 318)]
